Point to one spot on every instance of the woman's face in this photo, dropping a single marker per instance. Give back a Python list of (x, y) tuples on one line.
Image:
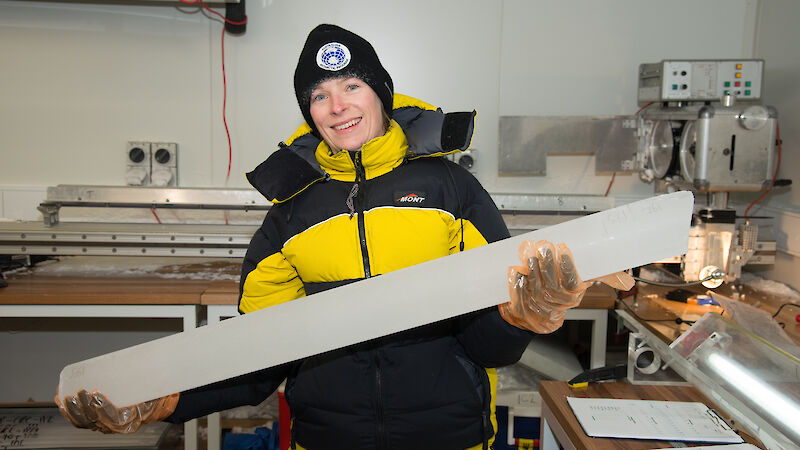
[(347, 113)]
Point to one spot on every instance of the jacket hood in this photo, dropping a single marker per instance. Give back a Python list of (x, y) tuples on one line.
[(428, 131)]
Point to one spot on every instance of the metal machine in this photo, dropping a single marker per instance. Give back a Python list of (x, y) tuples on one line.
[(701, 127), (121, 221)]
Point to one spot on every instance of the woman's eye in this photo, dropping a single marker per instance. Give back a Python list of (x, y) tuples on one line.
[(318, 97), (352, 87)]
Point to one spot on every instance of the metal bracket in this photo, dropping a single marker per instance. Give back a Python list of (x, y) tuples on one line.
[(525, 142), (49, 213)]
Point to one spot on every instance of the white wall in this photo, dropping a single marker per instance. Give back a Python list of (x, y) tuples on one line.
[(80, 80)]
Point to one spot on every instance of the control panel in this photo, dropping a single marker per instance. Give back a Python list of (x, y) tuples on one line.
[(698, 80)]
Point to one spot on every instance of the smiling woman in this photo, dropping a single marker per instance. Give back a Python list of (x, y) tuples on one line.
[(347, 113)]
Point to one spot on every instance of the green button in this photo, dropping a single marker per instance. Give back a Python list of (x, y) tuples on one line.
[(747, 83), (747, 92), (727, 84), (726, 92), (674, 87)]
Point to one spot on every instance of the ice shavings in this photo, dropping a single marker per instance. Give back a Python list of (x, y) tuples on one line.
[(157, 267), (657, 274), (769, 286)]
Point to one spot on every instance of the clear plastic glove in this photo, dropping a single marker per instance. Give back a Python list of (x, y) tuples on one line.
[(95, 412), (547, 286)]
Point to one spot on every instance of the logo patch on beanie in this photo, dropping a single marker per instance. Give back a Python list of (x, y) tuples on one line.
[(333, 56)]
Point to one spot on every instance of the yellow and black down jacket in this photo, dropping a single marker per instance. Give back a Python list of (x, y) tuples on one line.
[(339, 218)]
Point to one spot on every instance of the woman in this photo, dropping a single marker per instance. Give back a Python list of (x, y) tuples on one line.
[(360, 190)]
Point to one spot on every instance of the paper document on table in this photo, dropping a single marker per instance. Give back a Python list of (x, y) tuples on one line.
[(724, 447), (651, 419)]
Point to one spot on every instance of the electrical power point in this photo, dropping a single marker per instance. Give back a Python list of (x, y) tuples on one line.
[(137, 163), (467, 159), (151, 164), (164, 164)]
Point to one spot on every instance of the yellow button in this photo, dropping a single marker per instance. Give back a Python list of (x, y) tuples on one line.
[(738, 74), (738, 67)]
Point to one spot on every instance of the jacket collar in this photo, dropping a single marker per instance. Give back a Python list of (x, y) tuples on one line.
[(378, 156), (418, 129)]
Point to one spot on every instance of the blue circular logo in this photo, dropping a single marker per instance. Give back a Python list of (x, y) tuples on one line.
[(333, 56)]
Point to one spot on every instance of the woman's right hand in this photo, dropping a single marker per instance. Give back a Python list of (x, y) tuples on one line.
[(96, 412)]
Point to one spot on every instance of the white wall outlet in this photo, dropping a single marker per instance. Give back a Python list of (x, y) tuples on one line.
[(467, 159), (137, 164), (164, 164)]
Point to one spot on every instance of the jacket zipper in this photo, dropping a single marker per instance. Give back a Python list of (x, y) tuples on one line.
[(362, 233), (486, 411), (379, 403), (362, 237)]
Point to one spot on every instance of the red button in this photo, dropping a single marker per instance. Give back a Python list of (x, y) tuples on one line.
[(738, 83)]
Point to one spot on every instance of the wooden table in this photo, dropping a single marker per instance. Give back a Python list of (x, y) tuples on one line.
[(151, 295), (657, 313), (559, 425), (39, 292)]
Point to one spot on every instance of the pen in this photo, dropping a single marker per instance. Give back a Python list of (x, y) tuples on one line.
[(684, 296), (702, 300)]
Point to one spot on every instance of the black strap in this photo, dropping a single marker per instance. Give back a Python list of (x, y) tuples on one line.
[(458, 198)]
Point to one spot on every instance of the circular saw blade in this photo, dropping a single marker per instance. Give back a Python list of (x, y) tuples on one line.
[(660, 149), (686, 151)]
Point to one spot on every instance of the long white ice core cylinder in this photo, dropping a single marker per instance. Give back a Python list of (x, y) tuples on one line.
[(606, 242)]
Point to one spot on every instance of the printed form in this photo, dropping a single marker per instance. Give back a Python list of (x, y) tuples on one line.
[(651, 419)]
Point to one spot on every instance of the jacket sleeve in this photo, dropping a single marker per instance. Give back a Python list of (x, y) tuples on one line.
[(267, 277), (249, 389), (488, 339)]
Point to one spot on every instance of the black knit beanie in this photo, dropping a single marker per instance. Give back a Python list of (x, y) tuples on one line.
[(333, 52)]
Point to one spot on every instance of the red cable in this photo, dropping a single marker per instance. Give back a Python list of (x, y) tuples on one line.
[(153, 210), (608, 189), (224, 78), (643, 108), (224, 106), (774, 177)]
